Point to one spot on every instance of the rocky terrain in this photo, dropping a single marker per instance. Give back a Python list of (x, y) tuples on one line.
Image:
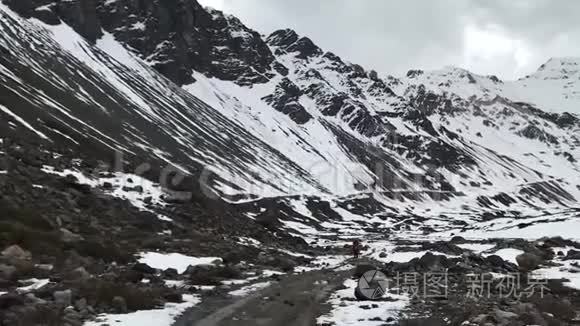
[(68, 243), (161, 159)]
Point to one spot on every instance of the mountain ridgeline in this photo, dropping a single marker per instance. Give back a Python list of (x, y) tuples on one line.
[(139, 137), (172, 82)]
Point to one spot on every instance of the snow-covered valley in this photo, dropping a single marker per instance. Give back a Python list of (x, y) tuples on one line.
[(202, 164)]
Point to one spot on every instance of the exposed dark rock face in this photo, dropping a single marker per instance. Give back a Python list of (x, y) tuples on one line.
[(341, 105), (87, 243), (533, 132), (286, 100), (414, 73), (283, 38), (566, 120), (288, 41), (562, 120), (345, 106), (175, 37), (81, 15), (433, 152), (429, 103), (180, 36)]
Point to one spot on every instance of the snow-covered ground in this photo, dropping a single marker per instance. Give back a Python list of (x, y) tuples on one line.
[(564, 223), (140, 192), (568, 270), (262, 151), (175, 260), (509, 254), (249, 289), (157, 317), (32, 284), (348, 311)]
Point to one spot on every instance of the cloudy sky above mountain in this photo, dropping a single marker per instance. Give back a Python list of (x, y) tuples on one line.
[(506, 38)]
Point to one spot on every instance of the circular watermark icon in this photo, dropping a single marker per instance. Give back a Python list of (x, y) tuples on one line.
[(373, 285)]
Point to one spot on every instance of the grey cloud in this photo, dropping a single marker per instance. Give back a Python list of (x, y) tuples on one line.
[(394, 36)]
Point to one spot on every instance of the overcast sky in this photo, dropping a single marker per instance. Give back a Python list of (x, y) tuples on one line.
[(508, 38)]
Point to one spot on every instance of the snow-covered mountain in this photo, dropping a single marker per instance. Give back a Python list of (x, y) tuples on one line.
[(193, 152), (554, 87), (173, 82)]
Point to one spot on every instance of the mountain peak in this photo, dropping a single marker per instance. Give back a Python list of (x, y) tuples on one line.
[(560, 62), (289, 41), (282, 37), (558, 68)]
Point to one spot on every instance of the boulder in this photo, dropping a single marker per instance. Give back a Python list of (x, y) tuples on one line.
[(443, 247), (15, 252), (572, 255), (481, 319), (458, 239), (7, 272), (144, 268), (30, 298), (119, 305), (528, 313), (131, 276), (210, 274), (81, 304), (72, 317), (505, 317), (80, 274), (528, 262), (173, 296), (44, 267), (170, 273), (69, 237), (555, 242), (555, 306), (430, 262), (363, 268), (285, 264), (63, 298), (495, 261), (231, 257), (10, 300)]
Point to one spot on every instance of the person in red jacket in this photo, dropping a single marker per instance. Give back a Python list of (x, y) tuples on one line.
[(356, 248)]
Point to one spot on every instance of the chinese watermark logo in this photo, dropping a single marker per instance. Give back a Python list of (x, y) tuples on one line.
[(374, 284)]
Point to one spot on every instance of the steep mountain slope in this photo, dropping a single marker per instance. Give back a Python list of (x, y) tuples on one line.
[(73, 92), (132, 129), (284, 117)]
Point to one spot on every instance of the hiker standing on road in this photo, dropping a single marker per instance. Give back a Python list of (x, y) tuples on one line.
[(356, 248)]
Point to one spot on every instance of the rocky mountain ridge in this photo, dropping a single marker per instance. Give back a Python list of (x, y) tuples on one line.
[(130, 127), (424, 124)]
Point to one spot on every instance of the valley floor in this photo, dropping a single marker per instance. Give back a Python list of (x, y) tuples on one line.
[(99, 248), (323, 293)]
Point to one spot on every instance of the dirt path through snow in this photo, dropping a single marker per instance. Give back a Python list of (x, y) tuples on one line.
[(297, 300)]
